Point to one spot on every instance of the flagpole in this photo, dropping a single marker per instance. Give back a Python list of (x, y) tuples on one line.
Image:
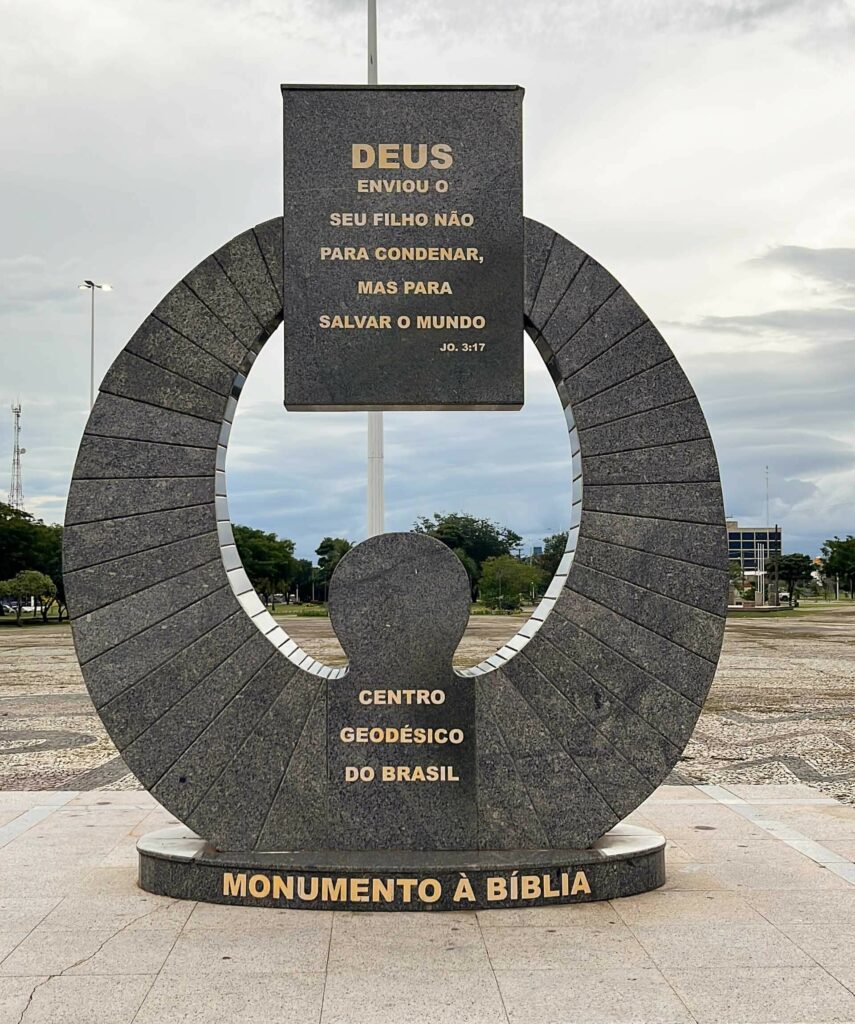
[(375, 419)]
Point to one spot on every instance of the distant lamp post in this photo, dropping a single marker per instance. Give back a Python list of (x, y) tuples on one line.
[(91, 286)]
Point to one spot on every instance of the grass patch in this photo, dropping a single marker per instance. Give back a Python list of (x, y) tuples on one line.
[(300, 611)]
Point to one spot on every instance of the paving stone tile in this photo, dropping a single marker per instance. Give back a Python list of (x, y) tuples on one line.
[(14, 996), (701, 821), (845, 847), (761, 864), (412, 997), (820, 923), (204, 951), (582, 915), (90, 951), (436, 942), (818, 822), (132, 911), (10, 938), (666, 794), (761, 793), (21, 914), (682, 873), (701, 945), (217, 918), (763, 995), (78, 1000), (281, 997), (589, 996), (603, 945)]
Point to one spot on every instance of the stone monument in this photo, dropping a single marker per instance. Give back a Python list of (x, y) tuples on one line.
[(397, 782)]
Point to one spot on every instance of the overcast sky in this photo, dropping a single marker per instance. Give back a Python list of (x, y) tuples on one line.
[(703, 151)]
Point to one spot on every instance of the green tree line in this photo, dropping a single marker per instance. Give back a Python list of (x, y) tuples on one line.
[(31, 562)]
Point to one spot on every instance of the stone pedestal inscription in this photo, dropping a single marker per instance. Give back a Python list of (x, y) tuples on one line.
[(403, 247), (401, 722)]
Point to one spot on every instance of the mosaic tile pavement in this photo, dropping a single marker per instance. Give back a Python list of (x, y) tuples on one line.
[(781, 710)]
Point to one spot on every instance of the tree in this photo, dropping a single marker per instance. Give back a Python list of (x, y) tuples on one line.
[(472, 570), (330, 552), (506, 582), (839, 560), (554, 547), (304, 572), (478, 539), (737, 576), (25, 584), (28, 543), (268, 560), (792, 569), (18, 541), (49, 561)]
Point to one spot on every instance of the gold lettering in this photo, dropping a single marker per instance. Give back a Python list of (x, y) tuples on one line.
[(463, 891), (334, 890), (307, 888), (362, 155), (234, 885), (259, 886), (382, 888), (359, 890), (530, 887), (497, 889), (429, 890), (283, 887), (580, 884)]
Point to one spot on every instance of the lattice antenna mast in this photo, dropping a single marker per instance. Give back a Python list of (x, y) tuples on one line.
[(16, 490)]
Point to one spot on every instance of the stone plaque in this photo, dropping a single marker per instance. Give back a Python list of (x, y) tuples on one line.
[(401, 722), (403, 247)]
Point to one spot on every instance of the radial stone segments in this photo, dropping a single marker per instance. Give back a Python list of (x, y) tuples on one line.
[(221, 715)]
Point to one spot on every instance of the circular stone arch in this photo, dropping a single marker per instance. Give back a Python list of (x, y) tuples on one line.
[(223, 717)]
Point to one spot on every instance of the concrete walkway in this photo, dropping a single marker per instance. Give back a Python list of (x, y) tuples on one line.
[(756, 923)]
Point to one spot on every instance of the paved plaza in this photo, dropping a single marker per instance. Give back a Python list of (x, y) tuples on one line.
[(755, 924), (756, 921), (781, 709)]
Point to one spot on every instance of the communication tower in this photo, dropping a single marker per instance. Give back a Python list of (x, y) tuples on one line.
[(16, 490)]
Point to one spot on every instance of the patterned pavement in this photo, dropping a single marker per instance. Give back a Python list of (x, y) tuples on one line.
[(781, 711)]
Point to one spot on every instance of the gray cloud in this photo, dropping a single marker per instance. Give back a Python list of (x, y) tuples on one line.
[(798, 322), (140, 137), (834, 266)]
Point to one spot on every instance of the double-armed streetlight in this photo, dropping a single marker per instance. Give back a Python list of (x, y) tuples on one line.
[(91, 286)]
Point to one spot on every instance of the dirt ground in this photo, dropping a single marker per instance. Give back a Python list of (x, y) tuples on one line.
[(782, 707)]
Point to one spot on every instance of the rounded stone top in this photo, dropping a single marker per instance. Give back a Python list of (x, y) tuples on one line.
[(399, 601)]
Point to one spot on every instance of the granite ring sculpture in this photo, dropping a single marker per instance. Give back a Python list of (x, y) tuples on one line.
[(221, 715)]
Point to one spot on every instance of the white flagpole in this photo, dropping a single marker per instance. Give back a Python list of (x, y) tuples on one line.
[(375, 419)]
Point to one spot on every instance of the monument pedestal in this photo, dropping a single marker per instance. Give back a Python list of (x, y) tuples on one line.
[(176, 862)]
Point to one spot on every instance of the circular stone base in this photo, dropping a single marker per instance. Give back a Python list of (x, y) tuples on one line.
[(176, 862)]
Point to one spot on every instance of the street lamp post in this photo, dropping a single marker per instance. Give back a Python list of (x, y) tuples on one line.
[(91, 286)]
